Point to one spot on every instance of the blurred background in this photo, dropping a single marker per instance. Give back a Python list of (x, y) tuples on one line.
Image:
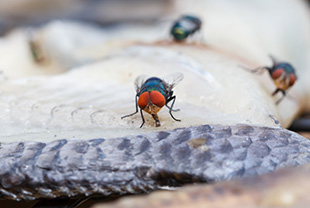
[(17, 13)]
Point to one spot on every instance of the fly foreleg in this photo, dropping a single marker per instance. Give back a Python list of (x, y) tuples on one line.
[(174, 110), (171, 107), (134, 112), (168, 100), (257, 70), (283, 96), (143, 121), (275, 92)]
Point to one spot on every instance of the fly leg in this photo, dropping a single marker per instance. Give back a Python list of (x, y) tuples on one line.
[(143, 121), (174, 110), (134, 112), (258, 70), (275, 92), (171, 107), (283, 96), (156, 120), (169, 98)]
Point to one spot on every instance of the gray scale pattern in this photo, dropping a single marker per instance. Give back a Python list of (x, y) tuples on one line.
[(137, 164)]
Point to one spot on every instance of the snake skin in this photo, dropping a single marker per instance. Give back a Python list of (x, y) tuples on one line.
[(137, 164)]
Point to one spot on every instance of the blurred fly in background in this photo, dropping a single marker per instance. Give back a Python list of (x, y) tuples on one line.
[(185, 26), (154, 93), (283, 75)]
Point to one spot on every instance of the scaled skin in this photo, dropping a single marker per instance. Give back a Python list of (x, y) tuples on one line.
[(287, 188)]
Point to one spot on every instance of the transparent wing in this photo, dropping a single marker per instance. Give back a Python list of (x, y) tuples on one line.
[(275, 61), (172, 80), (139, 82)]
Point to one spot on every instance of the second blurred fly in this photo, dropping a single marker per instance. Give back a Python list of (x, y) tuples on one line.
[(185, 26), (283, 75)]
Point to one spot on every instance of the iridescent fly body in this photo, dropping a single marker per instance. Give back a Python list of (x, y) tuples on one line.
[(185, 26), (283, 75), (154, 93)]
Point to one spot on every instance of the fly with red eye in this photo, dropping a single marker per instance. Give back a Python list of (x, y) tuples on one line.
[(283, 75), (153, 94)]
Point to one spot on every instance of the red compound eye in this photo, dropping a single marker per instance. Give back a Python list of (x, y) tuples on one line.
[(157, 99), (143, 100), (277, 73), (292, 79)]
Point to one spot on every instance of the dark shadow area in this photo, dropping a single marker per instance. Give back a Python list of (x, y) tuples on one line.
[(301, 124)]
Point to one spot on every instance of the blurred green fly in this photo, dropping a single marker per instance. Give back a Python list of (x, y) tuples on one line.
[(184, 27)]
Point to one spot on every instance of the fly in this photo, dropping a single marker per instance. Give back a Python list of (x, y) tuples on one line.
[(154, 93), (283, 75), (184, 27)]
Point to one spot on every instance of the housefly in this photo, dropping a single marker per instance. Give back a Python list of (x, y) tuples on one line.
[(154, 93), (283, 75), (185, 26)]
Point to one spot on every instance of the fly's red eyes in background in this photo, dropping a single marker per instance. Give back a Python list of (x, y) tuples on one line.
[(292, 79), (283, 75), (157, 99), (277, 73)]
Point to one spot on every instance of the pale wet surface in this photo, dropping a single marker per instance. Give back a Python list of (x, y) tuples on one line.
[(89, 101)]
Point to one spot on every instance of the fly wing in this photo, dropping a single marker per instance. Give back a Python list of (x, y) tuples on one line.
[(139, 82), (275, 61), (172, 80)]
